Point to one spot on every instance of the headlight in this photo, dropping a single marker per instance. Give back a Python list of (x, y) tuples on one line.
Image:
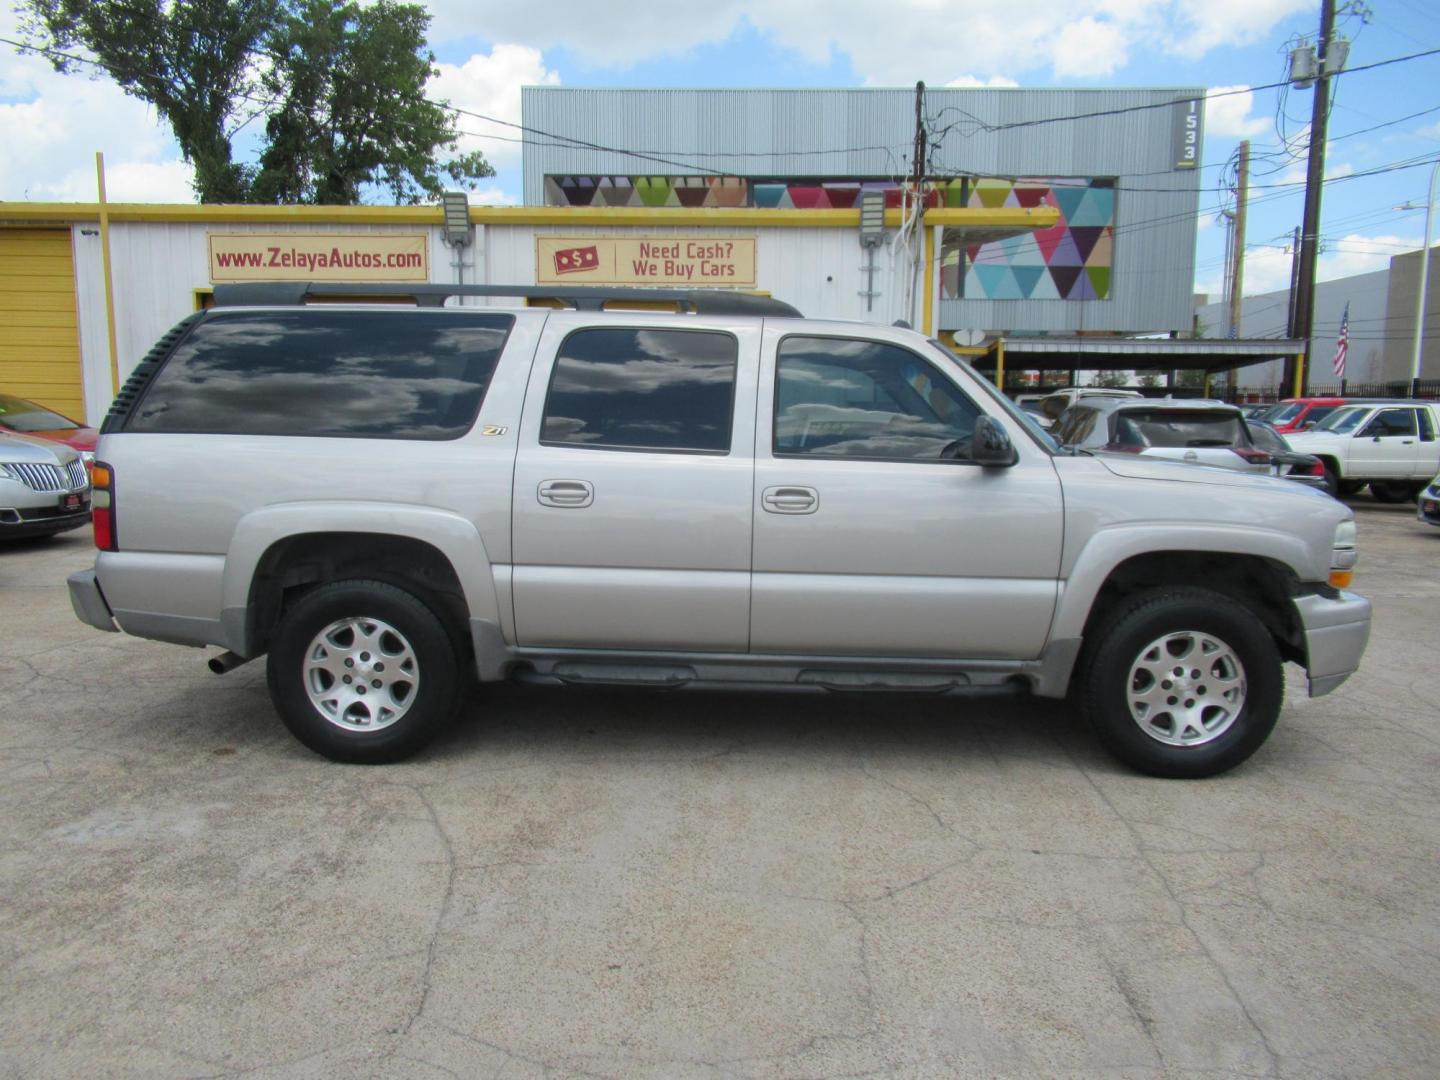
[(1343, 555), (87, 456)]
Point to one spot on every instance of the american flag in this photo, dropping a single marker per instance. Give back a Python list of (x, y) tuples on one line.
[(1342, 344)]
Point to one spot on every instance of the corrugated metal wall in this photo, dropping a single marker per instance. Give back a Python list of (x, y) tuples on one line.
[(796, 133)]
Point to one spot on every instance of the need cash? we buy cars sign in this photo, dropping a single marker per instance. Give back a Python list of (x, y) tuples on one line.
[(644, 260), (319, 257)]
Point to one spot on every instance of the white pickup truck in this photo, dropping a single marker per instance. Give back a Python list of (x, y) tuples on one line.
[(388, 501), (1392, 446)]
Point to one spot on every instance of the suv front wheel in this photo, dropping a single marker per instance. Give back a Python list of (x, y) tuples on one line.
[(1182, 682), (363, 672)]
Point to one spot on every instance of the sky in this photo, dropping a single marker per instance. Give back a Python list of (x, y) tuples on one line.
[(51, 124)]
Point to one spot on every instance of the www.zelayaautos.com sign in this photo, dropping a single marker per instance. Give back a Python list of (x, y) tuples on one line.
[(319, 257)]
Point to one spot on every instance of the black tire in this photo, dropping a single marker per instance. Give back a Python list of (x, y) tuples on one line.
[(1120, 645), (1332, 480), (1392, 491), (428, 664), (1350, 487)]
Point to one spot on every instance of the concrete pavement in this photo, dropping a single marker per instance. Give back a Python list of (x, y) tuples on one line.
[(618, 884)]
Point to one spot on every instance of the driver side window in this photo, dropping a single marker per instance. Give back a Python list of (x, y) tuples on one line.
[(844, 397), (1391, 422)]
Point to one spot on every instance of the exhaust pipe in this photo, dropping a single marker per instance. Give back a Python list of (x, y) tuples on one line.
[(226, 662)]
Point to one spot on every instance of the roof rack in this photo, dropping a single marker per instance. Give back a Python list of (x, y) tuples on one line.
[(582, 298)]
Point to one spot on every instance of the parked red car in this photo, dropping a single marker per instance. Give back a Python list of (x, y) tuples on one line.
[(1296, 414), (21, 417)]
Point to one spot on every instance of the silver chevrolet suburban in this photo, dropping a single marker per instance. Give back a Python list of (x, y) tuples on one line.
[(383, 498)]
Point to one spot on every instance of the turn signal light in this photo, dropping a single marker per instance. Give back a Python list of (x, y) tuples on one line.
[(102, 506), (1341, 579)]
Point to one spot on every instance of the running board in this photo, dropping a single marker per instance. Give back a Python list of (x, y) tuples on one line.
[(759, 676)]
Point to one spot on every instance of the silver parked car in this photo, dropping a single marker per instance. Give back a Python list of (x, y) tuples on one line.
[(723, 495), (44, 488)]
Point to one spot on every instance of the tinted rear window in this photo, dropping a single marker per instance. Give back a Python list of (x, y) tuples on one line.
[(357, 374), (1177, 427)]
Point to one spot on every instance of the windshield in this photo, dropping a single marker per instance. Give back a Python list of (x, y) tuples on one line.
[(1283, 413), (1024, 419), (20, 415), (1342, 421)]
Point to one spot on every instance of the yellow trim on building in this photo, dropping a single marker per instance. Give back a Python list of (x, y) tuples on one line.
[(928, 308), (979, 217)]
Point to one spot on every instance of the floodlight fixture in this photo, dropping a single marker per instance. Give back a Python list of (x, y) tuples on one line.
[(872, 219), (457, 218)]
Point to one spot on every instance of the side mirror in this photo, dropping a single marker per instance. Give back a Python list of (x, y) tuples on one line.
[(990, 445)]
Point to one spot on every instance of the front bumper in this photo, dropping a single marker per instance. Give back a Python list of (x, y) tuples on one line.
[(1429, 508), (1336, 632), (89, 602)]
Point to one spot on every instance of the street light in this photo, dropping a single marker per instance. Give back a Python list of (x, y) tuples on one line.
[(1420, 289)]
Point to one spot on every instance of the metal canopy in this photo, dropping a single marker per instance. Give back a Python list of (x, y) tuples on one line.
[(1166, 354)]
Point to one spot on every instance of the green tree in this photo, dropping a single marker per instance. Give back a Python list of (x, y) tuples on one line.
[(341, 86), (353, 112), (1112, 378), (191, 60)]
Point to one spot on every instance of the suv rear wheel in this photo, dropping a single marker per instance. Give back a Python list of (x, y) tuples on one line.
[(1182, 683), (363, 672)]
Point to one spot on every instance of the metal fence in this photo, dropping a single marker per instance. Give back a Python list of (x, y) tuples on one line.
[(1429, 389)]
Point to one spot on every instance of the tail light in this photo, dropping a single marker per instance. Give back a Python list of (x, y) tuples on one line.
[(1252, 454), (1315, 469), (102, 506)]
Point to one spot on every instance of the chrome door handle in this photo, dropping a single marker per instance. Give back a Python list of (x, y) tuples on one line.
[(568, 494), (790, 500)]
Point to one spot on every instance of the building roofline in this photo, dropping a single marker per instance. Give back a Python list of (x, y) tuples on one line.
[(1006, 220), (910, 89)]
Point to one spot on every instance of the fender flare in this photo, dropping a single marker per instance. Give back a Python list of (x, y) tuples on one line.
[(1110, 547), (455, 537)]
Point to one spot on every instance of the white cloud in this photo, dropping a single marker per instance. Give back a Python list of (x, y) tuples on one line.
[(127, 181), (1267, 268), (1090, 47), (491, 195), (973, 82), (490, 85), (1356, 254), (1227, 113), (893, 46), (1210, 24), (54, 124)]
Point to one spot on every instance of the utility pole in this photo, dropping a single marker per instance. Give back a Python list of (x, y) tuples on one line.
[(918, 185), (1420, 311), (1237, 266), (1303, 321)]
